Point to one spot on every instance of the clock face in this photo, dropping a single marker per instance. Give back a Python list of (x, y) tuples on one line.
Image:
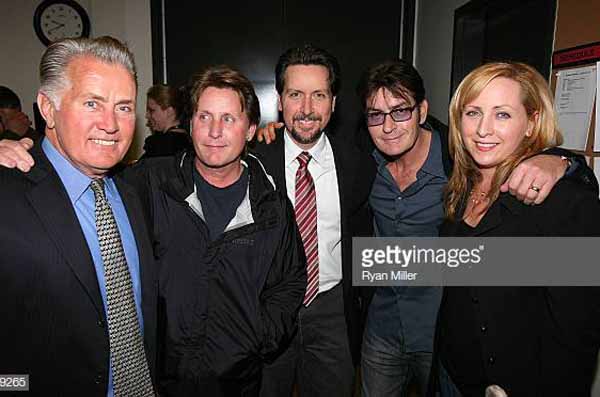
[(56, 20)]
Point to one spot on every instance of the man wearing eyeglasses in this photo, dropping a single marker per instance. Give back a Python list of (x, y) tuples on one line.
[(406, 199), (413, 167)]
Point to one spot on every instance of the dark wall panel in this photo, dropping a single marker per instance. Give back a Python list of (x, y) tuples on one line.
[(252, 35), (204, 33), (357, 36), (510, 30)]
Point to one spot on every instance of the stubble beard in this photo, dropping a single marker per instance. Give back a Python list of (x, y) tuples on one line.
[(303, 139), (306, 140)]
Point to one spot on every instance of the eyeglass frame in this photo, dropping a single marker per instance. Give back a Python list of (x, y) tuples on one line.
[(385, 114)]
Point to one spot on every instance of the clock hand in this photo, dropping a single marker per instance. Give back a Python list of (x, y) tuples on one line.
[(62, 25)]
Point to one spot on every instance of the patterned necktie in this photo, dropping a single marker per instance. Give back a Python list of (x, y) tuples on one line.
[(131, 376), (306, 217)]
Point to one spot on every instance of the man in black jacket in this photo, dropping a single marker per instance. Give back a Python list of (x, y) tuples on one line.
[(233, 271)]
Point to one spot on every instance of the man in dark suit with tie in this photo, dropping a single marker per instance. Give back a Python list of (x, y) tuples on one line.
[(78, 279), (328, 181)]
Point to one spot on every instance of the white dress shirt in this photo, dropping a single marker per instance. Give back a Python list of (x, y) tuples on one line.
[(329, 230)]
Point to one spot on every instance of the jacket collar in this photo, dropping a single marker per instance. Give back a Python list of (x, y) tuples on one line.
[(52, 205), (182, 188)]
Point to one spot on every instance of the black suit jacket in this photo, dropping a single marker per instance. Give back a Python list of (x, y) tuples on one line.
[(532, 341), (355, 173), (54, 326)]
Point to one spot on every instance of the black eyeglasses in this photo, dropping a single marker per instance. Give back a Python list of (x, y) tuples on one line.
[(401, 114)]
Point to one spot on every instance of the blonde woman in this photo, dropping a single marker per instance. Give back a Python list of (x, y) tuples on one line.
[(529, 341)]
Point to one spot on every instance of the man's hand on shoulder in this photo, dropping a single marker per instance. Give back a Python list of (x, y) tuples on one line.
[(533, 179), (15, 154), (268, 133)]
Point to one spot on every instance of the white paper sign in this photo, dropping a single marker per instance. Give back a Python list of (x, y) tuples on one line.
[(574, 100)]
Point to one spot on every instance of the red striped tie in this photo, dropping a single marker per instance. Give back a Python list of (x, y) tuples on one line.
[(306, 217)]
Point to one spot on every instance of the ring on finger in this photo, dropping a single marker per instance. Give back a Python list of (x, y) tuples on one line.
[(535, 188)]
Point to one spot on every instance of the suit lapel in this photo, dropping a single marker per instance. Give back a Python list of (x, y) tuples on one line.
[(51, 203), (341, 163)]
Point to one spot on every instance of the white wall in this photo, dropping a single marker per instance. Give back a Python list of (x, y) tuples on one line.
[(433, 51), (21, 50)]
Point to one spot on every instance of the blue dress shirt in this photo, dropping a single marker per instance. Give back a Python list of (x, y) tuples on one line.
[(418, 211), (81, 195)]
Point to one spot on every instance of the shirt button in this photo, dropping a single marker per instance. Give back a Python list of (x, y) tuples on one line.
[(491, 360), (101, 323), (483, 328), (98, 379), (399, 198), (475, 299)]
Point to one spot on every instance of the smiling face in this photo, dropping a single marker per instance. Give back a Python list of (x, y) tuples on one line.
[(94, 123), (395, 138), (220, 129), (495, 123), (306, 102)]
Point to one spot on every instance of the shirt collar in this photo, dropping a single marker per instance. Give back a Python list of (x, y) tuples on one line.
[(75, 181), (433, 163), (292, 150)]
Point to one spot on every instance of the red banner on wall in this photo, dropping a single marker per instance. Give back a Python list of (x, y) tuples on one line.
[(579, 55)]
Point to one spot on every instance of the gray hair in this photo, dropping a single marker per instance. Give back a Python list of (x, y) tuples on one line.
[(56, 59)]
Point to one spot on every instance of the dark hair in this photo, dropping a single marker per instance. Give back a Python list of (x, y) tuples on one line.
[(165, 96), (8, 99), (398, 76), (308, 55), (223, 76)]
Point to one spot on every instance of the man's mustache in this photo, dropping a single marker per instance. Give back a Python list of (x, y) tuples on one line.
[(307, 117)]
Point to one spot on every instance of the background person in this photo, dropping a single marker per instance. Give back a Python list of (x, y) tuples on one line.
[(14, 124), (165, 107)]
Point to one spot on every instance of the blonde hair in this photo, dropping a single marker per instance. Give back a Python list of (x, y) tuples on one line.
[(537, 100)]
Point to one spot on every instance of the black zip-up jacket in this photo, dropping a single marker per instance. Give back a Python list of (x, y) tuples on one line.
[(225, 306)]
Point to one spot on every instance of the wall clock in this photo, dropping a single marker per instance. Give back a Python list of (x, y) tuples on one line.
[(57, 19)]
